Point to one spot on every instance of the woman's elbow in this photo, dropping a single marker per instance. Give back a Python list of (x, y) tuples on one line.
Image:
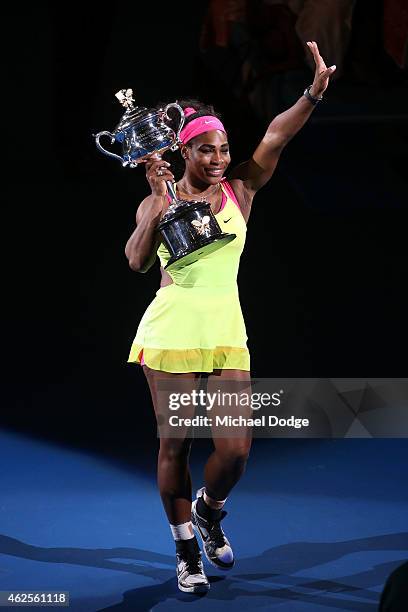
[(134, 265), (134, 262), (137, 265), (139, 259)]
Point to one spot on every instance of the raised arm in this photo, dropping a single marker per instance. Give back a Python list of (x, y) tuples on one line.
[(257, 171)]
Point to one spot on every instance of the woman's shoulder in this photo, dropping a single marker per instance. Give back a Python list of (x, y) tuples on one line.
[(240, 193)]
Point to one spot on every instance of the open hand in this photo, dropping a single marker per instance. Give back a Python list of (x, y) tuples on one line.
[(322, 73)]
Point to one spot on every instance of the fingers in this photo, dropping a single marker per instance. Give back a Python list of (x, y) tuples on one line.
[(163, 175), (160, 174), (157, 173), (314, 49), (330, 70), (325, 75), (155, 159), (159, 170), (157, 165)]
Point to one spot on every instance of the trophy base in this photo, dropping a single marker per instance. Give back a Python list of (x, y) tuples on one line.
[(186, 259)]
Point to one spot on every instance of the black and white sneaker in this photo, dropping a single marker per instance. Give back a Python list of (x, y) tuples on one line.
[(216, 545), (190, 573)]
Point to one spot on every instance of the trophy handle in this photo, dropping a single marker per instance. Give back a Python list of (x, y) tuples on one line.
[(105, 151), (180, 127)]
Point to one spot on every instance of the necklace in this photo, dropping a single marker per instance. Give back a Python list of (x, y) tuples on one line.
[(204, 195)]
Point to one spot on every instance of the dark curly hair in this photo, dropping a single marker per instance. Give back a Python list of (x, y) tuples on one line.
[(174, 157)]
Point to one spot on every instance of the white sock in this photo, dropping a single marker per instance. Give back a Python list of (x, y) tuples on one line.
[(182, 532), (215, 504)]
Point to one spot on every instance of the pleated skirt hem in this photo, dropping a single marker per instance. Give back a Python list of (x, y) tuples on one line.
[(178, 361)]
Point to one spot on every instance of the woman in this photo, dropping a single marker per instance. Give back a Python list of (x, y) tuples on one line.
[(194, 327)]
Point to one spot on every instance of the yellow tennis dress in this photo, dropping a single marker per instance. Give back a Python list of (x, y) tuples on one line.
[(195, 324)]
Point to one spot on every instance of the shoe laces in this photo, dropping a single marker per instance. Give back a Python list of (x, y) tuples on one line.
[(215, 531), (193, 562)]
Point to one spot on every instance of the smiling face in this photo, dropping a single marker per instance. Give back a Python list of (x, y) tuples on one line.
[(207, 157)]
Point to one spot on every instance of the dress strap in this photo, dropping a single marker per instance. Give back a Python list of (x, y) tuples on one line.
[(229, 191)]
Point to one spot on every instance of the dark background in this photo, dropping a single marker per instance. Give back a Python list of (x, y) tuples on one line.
[(323, 276)]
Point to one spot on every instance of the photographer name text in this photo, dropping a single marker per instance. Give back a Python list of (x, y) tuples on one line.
[(238, 421)]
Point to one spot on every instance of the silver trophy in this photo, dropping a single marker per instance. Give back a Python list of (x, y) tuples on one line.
[(189, 229), (141, 132)]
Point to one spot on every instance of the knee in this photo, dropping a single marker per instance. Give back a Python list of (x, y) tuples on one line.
[(174, 450), (234, 453)]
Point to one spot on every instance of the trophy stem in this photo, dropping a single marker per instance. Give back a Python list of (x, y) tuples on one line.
[(171, 190)]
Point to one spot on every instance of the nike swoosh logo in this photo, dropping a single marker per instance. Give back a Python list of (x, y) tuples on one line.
[(196, 524), (204, 537), (228, 220), (211, 121)]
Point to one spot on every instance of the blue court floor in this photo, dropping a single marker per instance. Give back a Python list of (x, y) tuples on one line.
[(316, 525)]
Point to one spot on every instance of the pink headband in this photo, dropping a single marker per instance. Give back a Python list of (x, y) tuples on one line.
[(199, 125)]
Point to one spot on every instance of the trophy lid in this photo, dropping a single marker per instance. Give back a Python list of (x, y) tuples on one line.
[(133, 114)]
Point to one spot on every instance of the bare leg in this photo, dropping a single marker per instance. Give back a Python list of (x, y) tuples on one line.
[(173, 473), (227, 463)]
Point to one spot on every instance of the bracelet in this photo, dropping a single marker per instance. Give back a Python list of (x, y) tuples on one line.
[(311, 98)]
